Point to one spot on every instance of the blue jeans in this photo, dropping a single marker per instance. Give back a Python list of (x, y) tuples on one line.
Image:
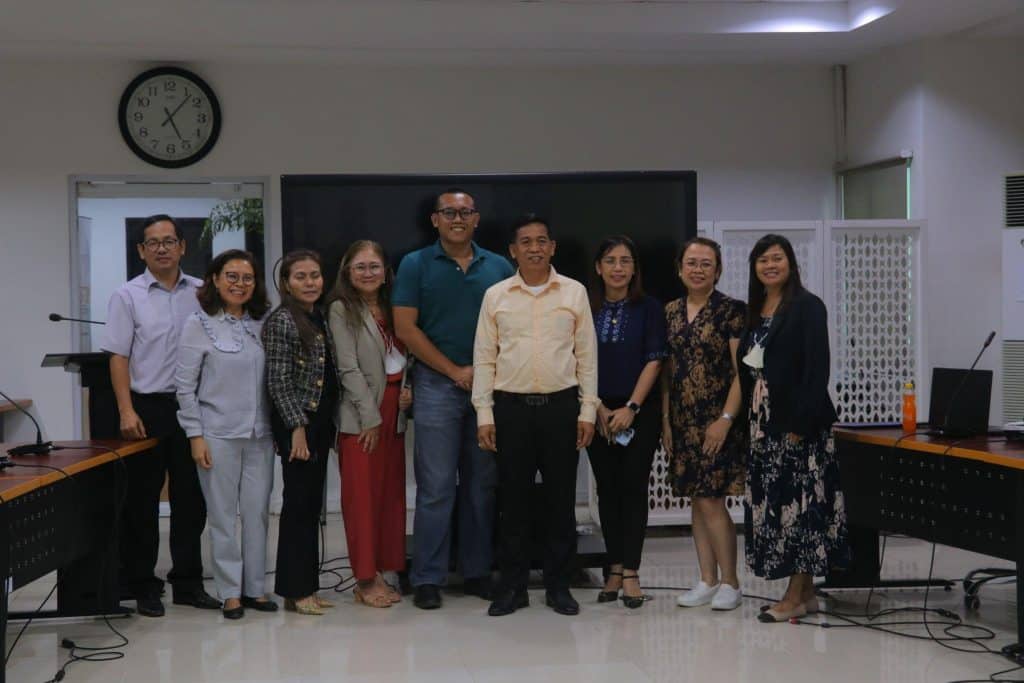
[(448, 462)]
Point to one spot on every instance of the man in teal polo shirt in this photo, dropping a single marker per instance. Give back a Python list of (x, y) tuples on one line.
[(436, 301)]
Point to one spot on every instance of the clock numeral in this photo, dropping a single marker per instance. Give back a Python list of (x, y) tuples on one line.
[(186, 145), (171, 149), (137, 116), (152, 91), (143, 132), (188, 93), (170, 86), (197, 102), (201, 117), (199, 133), (142, 101), (154, 143)]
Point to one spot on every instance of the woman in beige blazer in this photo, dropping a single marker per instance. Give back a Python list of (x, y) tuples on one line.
[(371, 420)]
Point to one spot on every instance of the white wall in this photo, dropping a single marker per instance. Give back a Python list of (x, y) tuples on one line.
[(958, 105), (760, 138)]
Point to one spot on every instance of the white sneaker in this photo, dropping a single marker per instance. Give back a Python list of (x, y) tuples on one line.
[(726, 598), (700, 594)]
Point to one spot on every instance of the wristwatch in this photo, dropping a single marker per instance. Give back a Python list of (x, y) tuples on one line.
[(634, 406)]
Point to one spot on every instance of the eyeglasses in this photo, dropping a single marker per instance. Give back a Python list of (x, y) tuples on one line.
[(611, 261), (464, 213), (691, 264), (235, 278), (364, 268), (167, 243)]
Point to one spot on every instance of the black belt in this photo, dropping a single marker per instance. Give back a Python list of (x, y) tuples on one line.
[(162, 395), (537, 399)]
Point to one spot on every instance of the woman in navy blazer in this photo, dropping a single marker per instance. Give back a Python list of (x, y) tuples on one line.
[(798, 521)]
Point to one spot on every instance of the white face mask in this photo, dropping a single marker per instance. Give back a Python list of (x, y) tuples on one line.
[(755, 357)]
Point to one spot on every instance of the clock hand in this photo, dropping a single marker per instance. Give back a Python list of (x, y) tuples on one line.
[(170, 117)]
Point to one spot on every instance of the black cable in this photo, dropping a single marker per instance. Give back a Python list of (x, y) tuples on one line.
[(7, 657)]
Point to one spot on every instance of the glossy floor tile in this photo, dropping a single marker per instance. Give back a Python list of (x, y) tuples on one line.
[(461, 644)]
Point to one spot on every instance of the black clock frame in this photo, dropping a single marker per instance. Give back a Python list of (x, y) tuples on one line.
[(122, 110)]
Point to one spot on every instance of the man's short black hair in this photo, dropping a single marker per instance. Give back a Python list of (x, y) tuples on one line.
[(157, 219), (528, 219), (450, 190)]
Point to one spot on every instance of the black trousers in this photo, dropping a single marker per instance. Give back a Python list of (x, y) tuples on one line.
[(536, 433), (140, 530), (298, 543), (623, 474)]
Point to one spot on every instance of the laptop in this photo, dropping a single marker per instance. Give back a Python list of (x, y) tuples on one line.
[(962, 396)]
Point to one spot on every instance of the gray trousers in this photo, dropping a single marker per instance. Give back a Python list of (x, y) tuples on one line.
[(238, 484)]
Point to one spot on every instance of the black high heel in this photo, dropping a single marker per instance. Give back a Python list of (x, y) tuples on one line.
[(630, 601), (609, 596)]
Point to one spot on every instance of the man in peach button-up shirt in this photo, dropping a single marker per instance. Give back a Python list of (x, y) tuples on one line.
[(535, 393)]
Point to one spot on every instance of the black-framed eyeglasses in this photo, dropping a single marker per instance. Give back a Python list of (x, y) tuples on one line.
[(464, 213), (167, 243)]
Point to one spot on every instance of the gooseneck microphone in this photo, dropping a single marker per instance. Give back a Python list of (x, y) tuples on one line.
[(963, 381), (39, 447), (57, 317)]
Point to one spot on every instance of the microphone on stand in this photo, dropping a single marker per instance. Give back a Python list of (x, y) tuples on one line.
[(952, 399), (39, 447), (57, 317)]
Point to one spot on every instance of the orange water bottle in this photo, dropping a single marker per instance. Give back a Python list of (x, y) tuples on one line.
[(909, 409)]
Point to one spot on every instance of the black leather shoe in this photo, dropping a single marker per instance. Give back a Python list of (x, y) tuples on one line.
[(562, 602), (266, 605), (508, 603), (234, 612), (196, 598), (427, 596), (480, 586), (149, 606)]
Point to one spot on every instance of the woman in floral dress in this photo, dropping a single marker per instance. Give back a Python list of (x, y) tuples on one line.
[(798, 521), (701, 396)]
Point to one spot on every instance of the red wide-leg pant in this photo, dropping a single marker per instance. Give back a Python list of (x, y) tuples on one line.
[(373, 494)]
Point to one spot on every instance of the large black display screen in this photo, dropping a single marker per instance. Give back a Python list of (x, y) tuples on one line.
[(658, 209)]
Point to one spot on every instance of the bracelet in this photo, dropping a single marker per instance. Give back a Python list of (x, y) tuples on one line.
[(727, 416)]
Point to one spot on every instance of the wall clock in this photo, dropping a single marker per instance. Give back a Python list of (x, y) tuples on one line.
[(169, 117)]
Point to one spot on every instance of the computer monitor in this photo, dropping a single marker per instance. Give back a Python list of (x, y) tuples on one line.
[(964, 396)]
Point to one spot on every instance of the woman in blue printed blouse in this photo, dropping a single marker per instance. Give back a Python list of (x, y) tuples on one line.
[(631, 345)]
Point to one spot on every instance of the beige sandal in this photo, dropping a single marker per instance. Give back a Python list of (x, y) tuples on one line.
[(307, 606), (374, 600)]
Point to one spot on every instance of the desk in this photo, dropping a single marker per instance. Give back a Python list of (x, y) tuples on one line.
[(8, 407), (966, 493), (49, 521)]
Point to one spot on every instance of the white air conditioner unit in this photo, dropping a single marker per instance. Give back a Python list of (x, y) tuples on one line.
[(1013, 297)]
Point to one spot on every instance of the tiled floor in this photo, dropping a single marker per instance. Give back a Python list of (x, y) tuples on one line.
[(460, 643)]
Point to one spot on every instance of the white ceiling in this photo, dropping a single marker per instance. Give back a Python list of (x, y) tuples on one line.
[(489, 31)]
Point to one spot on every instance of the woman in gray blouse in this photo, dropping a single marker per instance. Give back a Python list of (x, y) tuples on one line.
[(224, 412)]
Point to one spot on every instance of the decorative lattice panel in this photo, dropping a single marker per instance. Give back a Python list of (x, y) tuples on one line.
[(873, 315), (736, 247)]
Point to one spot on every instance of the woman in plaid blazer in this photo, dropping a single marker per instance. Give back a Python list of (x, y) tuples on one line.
[(303, 385)]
